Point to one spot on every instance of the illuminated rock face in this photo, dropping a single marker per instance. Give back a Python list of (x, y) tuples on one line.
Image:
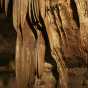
[(49, 31)]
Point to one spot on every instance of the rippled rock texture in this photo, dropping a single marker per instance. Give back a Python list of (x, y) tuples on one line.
[(52, 40)]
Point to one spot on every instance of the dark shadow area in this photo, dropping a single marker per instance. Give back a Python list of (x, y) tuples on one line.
[(75, 12), (7, 38), (7, 51)]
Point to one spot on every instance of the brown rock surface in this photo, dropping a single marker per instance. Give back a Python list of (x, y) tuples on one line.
[(66, 23)]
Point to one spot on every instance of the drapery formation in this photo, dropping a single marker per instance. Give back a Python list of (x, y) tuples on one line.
[(35, 14), (45, 29)]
